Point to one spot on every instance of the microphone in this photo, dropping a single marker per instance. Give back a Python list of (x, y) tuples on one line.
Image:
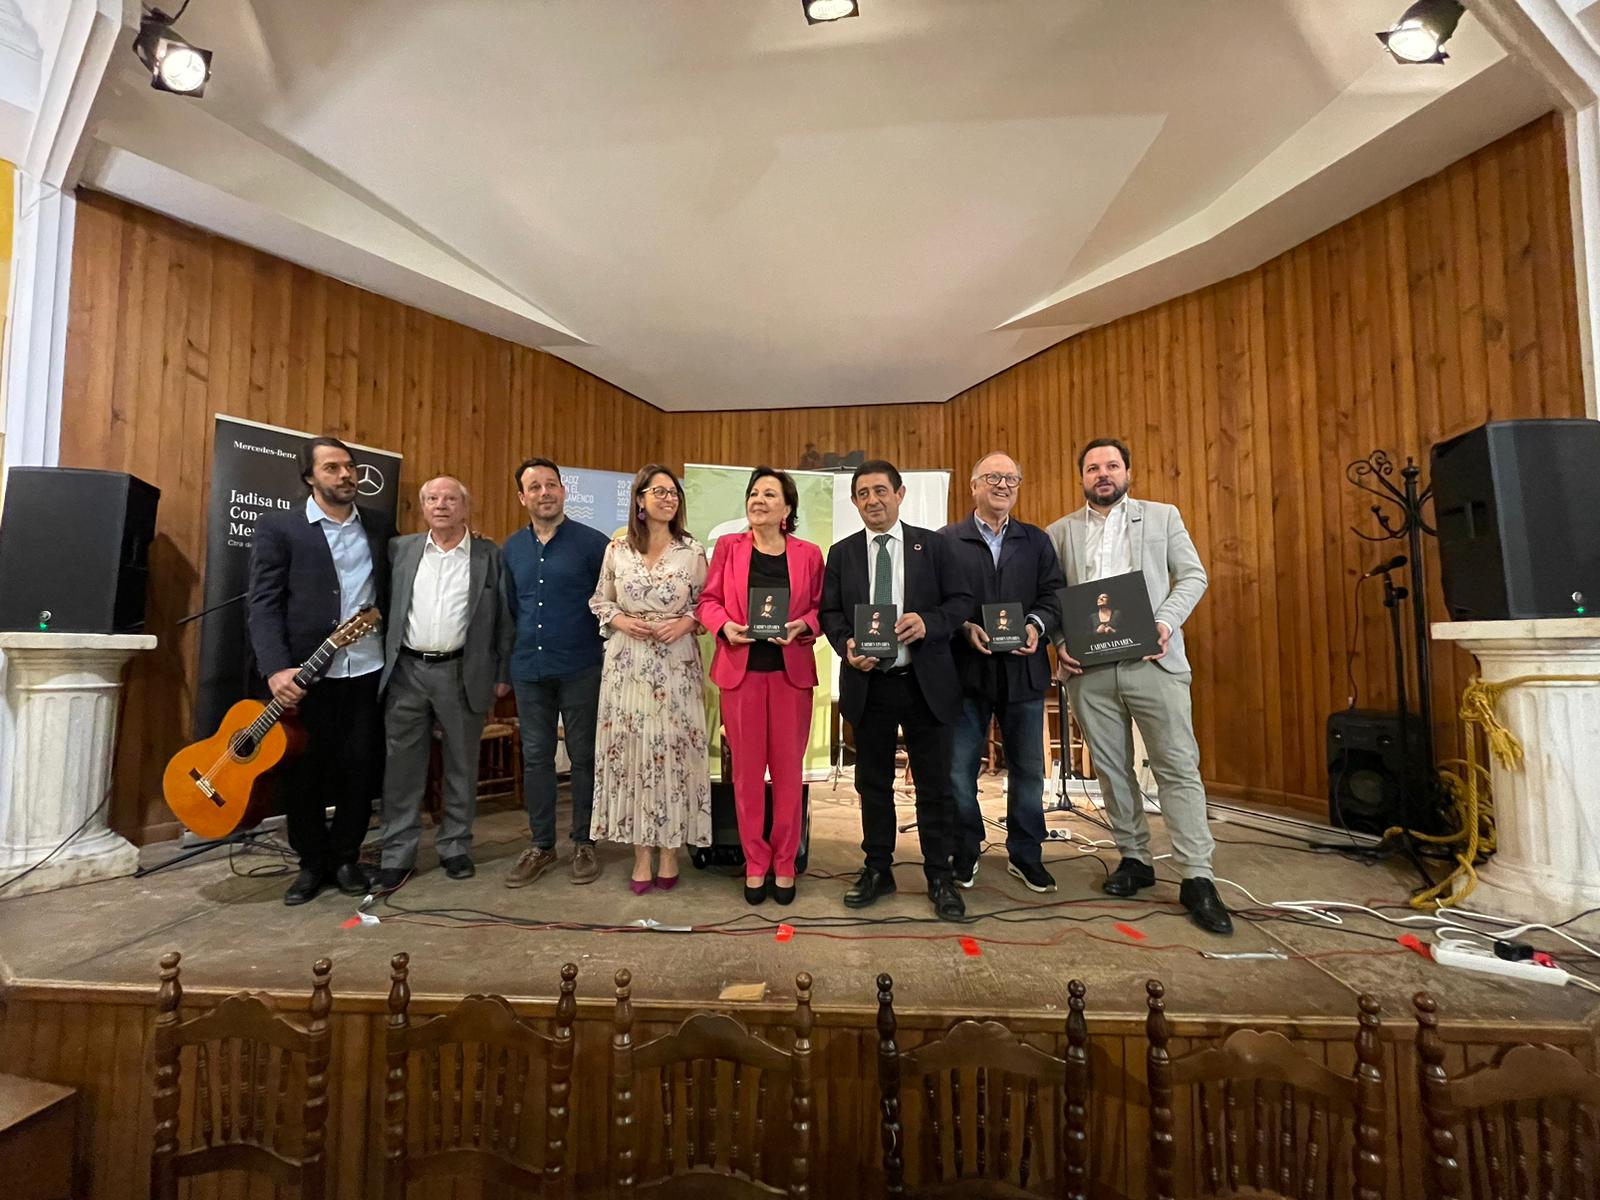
[(1399, 560)]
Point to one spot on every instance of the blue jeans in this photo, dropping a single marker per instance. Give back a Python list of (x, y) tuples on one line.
[(576, 700), (1022, 738)]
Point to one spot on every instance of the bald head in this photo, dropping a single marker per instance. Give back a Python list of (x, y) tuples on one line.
[(446, 505)]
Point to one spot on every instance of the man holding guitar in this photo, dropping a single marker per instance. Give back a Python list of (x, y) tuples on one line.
[(311, 569)]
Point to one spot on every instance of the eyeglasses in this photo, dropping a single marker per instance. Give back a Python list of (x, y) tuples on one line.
[(994, 479), (660, 493)]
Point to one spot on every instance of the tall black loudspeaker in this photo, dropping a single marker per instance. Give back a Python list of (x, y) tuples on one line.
[(75, 550), (1365, 778), (1517, 505)]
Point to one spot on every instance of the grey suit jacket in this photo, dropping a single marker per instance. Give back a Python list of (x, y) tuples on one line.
[(486, 658), (1161, 548)]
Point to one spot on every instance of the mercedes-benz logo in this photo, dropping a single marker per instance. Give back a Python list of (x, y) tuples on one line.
[(369, 480)]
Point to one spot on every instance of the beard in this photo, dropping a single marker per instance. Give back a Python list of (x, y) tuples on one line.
[(1093, 496)]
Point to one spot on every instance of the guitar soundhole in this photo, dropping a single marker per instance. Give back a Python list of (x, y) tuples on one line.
[(243, 748)]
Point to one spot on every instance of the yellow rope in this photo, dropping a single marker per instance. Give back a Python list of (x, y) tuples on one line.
[(1471, 800)]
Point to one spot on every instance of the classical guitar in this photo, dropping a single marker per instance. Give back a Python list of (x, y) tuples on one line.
[(211, 786)]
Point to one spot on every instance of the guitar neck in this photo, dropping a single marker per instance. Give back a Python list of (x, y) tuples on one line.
[(303, 678)]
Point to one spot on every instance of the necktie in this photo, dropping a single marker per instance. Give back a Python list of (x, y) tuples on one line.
[(883, 584)]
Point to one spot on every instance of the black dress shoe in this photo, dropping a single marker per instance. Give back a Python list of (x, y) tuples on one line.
[(351, 878), (755, 895), (783, 895), (947, 902), (1129, 877), (390, 878), (458, 866), (1205, 907), (305, 887), (869, 885)]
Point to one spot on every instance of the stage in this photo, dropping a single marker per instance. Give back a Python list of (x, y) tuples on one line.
[(80, 967)]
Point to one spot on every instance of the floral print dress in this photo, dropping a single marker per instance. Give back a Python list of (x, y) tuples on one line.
[(652, 781)]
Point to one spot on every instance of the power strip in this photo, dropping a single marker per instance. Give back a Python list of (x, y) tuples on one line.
[(1488, 964)]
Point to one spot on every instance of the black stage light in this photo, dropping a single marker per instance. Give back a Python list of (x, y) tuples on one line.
[(175, 65), (818, 11), (1422, 30)]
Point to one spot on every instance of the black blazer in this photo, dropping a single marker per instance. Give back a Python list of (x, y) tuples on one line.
[(934, 590), (294, 586), (1029, 574)]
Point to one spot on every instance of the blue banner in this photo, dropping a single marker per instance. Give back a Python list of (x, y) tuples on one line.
[(598, 499)]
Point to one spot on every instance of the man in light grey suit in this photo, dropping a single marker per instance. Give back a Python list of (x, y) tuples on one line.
[(447, 650), (1114, 534)]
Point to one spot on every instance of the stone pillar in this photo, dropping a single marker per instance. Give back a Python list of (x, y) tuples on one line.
[(1548, 813), (58, 729)]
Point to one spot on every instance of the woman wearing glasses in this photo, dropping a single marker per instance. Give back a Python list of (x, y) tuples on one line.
[(652, 789), (766, 685)]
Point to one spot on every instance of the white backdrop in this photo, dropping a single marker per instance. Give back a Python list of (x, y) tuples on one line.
[(927, 502)]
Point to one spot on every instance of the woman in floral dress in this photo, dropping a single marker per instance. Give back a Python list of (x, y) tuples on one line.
[(652, 786)]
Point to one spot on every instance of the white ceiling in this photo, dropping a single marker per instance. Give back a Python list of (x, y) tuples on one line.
[(714, 205)]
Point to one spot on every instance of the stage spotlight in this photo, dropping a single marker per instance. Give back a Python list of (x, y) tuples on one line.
[(1422, 30), (818, 11), (175, 65)]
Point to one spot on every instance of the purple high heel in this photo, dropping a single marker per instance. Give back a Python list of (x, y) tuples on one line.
[(641, 886), (666, 882)]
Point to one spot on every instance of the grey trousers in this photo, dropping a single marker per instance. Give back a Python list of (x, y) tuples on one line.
[(419, 695), (1106, 700)]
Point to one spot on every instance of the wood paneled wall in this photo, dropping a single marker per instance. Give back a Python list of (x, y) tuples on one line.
[(1448, 304), (170, 325)]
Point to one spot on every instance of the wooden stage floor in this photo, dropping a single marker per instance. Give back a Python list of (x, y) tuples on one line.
[(229, 921)]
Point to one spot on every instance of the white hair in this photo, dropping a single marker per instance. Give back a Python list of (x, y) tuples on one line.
[(993, 454), (422, 492)]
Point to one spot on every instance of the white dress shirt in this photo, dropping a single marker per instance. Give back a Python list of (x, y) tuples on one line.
[(896, 550), (1107, 550), (438, 618)]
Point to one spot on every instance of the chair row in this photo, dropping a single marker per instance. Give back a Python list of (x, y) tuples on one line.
[(713, 1109)]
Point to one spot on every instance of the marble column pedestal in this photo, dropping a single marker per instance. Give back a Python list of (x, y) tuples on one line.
[(1547, 814), (58, 730)]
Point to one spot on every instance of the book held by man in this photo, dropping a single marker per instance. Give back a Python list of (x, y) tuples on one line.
[(875, 636), (769, 613), (1005, 624), (1109, 620)]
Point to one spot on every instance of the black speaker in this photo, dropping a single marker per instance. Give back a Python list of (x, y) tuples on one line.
[(726, 850), (1516, 505), (75, 550), (1365, 791)]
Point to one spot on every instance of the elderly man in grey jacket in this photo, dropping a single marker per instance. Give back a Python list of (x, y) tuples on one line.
[(446, 655), (1114, 534)]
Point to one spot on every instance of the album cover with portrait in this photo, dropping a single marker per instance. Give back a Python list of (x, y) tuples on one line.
[(875, 636), (1006, 626), (1109, 620), (769, 612)]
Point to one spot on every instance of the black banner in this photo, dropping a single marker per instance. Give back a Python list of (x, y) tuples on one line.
[(255, 470)]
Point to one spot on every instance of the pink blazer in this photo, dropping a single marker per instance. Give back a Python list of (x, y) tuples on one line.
[(726, 597)]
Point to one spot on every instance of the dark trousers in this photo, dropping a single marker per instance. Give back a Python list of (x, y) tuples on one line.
[(575, 700), (339, 768), (894, 703), (1022, 736)]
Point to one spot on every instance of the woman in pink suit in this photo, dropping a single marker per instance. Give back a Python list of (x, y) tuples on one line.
[(766, 685)]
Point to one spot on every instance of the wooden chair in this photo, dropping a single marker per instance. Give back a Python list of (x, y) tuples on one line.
[(478, 1061), (250, 1063), (499, 766), (701, 1105), (1264, 1113), (974, 1070), (1523, 1124)]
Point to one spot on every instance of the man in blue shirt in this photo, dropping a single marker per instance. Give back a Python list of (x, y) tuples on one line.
[(551, 568), (312, 568)]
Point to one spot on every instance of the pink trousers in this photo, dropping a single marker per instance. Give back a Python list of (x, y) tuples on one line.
[(768, 721)]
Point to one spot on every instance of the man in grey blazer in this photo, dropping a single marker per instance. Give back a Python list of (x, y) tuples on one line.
[(447, 649), (1112, 535)]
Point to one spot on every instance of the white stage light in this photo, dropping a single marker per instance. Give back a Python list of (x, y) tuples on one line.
[(175, 65), (1422, 30)]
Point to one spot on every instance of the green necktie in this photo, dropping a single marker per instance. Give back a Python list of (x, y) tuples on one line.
[(883, 573)]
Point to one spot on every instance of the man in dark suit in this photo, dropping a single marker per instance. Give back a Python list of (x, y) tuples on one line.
[(1006, 561), (917, 691), (310, 569), (446, 657)]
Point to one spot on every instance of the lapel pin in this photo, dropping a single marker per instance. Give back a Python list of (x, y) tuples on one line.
[(916, 545)]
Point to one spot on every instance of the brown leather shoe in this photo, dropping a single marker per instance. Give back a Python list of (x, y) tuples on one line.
[(585, 866), (532, 863)]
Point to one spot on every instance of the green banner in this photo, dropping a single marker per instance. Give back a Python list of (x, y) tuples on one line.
[(715, 498)]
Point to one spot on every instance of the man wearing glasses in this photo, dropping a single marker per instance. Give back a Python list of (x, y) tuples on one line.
[(1005, 561), (551, 568)]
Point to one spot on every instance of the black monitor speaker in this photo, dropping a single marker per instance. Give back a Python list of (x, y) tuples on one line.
[(75, 550), (1367, 791), (1517, 507)]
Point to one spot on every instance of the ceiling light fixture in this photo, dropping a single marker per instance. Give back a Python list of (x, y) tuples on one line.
[(819, 11), (1422, 30), (175, 65)]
